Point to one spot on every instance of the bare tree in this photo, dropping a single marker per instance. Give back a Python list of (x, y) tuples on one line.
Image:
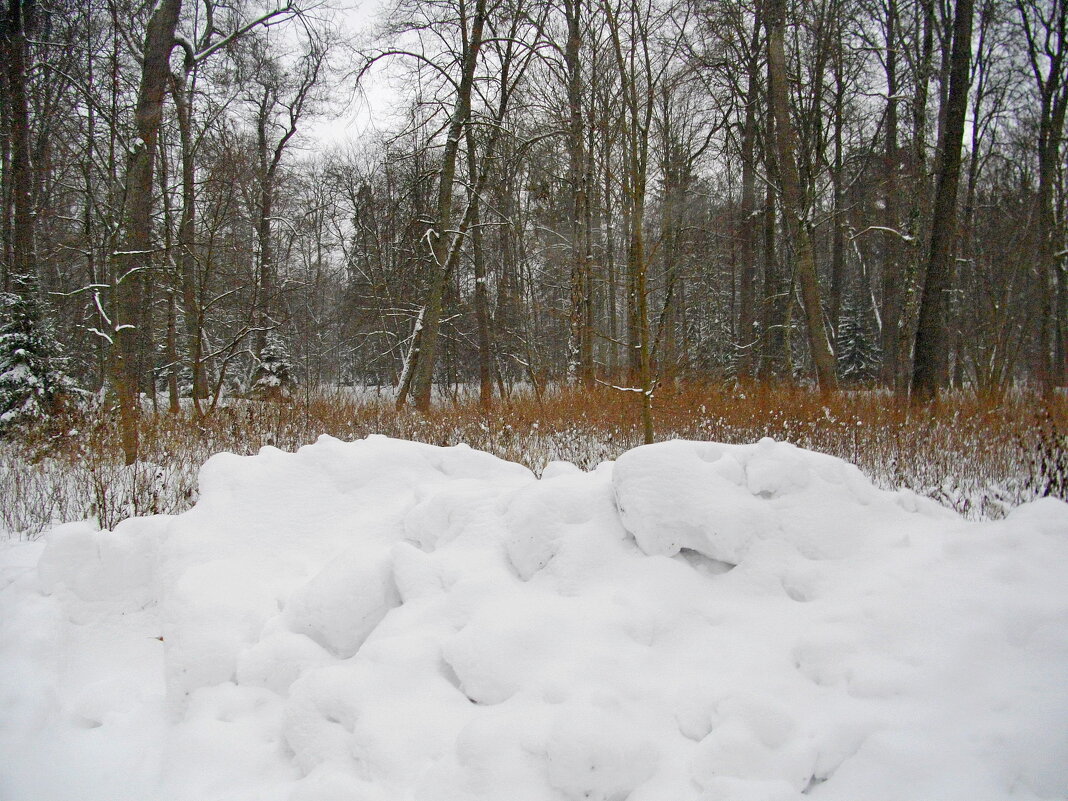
[(280, 98), (582, 189), (418, 374), (21, 261), (930, 335), (580, 346), (794, 204), (1045, 28), (643, 48), (133, 262)]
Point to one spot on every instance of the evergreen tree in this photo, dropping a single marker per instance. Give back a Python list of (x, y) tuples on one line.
[(32, 376), (859, 355), (274, 375)]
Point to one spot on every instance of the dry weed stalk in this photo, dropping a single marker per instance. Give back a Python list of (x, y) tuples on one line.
[(976, 455)]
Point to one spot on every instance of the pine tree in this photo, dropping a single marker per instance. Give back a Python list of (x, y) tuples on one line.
[(32, 376), (858, 351), (274, 375)]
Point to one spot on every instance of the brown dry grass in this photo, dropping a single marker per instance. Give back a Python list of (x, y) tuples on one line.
[(979, 456)]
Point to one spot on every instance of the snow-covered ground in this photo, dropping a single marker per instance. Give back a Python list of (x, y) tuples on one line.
[(382, 620)]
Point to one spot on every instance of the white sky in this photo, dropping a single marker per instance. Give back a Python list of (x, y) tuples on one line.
[(365, 110)]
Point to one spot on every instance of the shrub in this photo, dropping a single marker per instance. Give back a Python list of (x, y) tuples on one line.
[(974, 455)]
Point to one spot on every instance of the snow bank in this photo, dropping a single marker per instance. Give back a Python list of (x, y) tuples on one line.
[(383, 620)]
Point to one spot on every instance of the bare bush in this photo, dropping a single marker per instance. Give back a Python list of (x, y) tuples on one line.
[(978, 457)]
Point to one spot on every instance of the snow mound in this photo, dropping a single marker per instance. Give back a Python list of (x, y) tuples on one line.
[(381, 620), (720, 501)]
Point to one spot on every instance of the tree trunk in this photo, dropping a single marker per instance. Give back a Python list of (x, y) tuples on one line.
[(891, 264), (22, 265), (746, 231), (794, 201), (838, 191), (173, 405), (778, 289), (1047, 48), (930, 334), (918, 222), (441, 235), (192, 313), (478, 258), (638, 87), (6, 227), (134, 260), (268, 159), (580, 339)]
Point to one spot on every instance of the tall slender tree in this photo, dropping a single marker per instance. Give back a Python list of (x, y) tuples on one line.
[(929, 359), (795, 206), (134, 261), (1045, 28)]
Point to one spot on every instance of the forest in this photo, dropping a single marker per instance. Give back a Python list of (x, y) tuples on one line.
[(537, 400), (622, 192)]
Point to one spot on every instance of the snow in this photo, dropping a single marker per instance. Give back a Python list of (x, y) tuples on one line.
[(383, 620)]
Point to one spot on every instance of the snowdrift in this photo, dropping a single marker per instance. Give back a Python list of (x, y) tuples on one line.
[(383, 620)]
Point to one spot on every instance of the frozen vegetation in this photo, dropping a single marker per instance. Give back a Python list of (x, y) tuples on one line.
[(381, 620), (979, 458)]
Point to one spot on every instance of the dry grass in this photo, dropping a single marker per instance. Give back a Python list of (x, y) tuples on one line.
[(977, 456)]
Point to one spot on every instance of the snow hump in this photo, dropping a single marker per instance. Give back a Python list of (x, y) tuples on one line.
[(722, 500), (382, 620)]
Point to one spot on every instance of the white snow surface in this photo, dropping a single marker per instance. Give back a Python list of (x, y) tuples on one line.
[(382, 620)]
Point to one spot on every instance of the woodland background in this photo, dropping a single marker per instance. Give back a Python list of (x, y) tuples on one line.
[(851, 192)]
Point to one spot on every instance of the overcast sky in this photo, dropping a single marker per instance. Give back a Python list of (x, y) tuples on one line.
[(367, 110)]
